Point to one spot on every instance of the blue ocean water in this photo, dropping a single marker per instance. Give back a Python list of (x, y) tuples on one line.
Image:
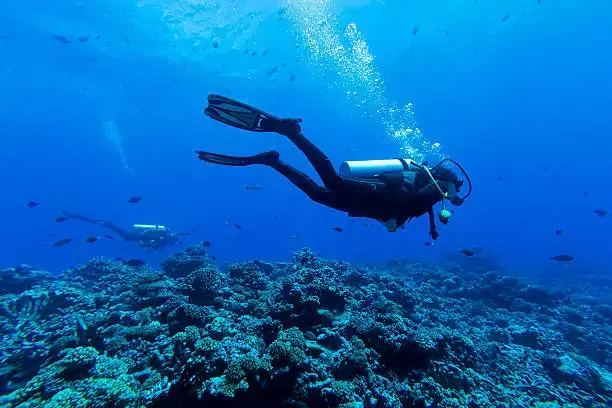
[(103, 100)]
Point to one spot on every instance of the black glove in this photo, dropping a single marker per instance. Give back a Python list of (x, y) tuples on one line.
[(434, 234), (457, 200)]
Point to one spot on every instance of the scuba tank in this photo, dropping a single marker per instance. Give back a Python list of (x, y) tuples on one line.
[(148, 233), (372, 168), (148, 227)]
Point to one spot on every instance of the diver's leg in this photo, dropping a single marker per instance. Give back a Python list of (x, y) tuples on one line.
[(319, 160), (127, 235), (80, 217), (321, 163), (325, 169), (315, 192)]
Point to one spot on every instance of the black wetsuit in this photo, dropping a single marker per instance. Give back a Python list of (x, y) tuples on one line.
[(382, 198), (386, 197)]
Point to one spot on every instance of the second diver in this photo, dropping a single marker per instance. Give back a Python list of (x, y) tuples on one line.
[(390, 191), (156, 237)]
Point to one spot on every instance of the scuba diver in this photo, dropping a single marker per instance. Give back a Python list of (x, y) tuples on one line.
[(390, 191), (156, 237)]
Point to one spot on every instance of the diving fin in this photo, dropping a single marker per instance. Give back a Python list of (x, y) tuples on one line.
[(266, 158), (243, 116)]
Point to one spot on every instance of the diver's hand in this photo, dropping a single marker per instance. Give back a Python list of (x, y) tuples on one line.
[(434, 234), (457, 201)]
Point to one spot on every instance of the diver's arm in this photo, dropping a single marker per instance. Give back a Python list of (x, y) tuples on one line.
[(451, 189), (433, 232)]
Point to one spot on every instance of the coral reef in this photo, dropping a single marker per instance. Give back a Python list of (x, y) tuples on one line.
[(309, 333)]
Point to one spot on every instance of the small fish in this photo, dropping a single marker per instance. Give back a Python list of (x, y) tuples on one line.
[(506, 17), (214, 258), (265, 53), (428, 243), (467, 252), (272, 71), (446, 32), (215, 44), (292, 78), (83, 38), (562, 258), (254, 53), (237, 226), (338, 229), (585, 193), (205, 244), (134, 263), (500, 179), (246, 51), (255, 187), (544, 168), (415, 30), (600, 212), (61, 38), (32, 204), (62, 242), (559, 232), (109, 237), (91, 239), (52, 234), (61, 218), (134, 199)]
